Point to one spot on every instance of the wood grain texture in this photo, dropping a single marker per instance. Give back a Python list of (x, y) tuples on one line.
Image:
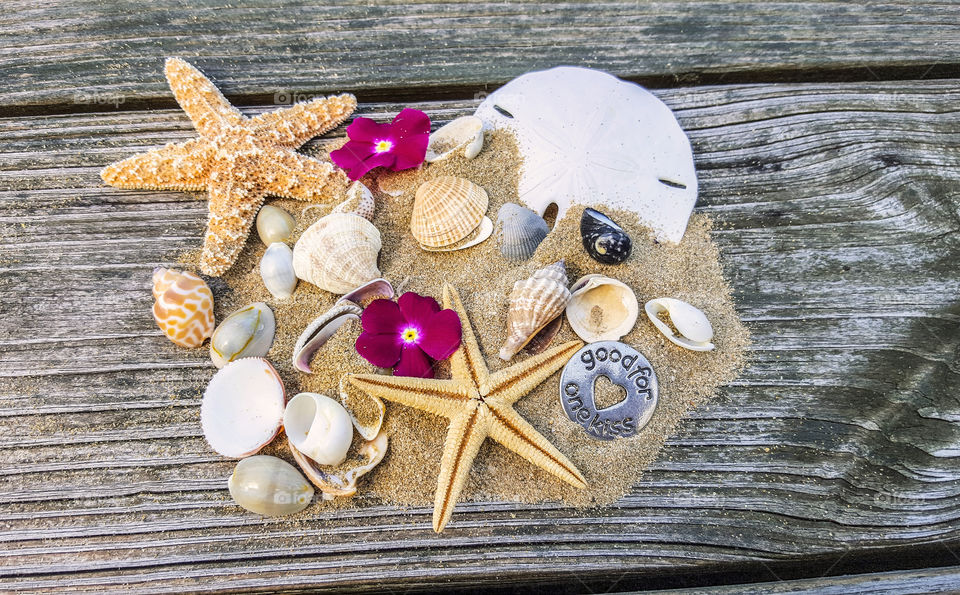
[(837, 210), (78, 55)]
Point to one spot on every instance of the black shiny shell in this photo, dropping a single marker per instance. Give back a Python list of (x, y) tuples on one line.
[(604, 240)]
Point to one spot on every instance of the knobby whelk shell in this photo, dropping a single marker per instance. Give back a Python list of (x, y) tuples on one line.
[(520, 231), (695, 329), (184, 306), (465, 132), (446, 210), (338, 253), (601, 308), (605, 241), (276, 270), (342, 481), (248, 332), (534, 304), (269, 486), (318, 427), (274, 224), (242, 408)]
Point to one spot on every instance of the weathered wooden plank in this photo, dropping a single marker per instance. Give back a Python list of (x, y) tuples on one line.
[(836, 209), (903, 582), (89, 56)]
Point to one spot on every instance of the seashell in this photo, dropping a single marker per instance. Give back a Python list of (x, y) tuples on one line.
[(269, 486), (601, 309), (692, 324), (338, 253), (465, 133), (366, 422), (521, 231), (480, 234), (625, 151), (446, 210), (342, 481), (359, 201), (242, 408), (274, 224), (318, 427), (184, 306), (248, 332), (366, 293), (534, 303), (276, 269), (604, 240)]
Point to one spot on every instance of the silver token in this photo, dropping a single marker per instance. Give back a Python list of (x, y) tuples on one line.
[(622, 365)]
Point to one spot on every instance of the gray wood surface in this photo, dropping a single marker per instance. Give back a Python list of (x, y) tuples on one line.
[(79, 55), (838, 212)]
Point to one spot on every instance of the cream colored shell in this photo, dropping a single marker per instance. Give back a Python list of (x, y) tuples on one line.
[(183, 308), (601, 309), (338, 253), (446, 210), (534, 303)]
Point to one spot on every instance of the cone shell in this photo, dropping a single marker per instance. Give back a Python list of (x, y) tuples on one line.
[(535, 303), (183, 308), (338, 253), (446, 210)]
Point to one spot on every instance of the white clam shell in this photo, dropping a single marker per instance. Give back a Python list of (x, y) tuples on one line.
[(248, 332), (695, 329), (276, 269), (269, 486), (318, 427), (242, 408), (587, 137), (463, 133), (601, 308), (274, 224)]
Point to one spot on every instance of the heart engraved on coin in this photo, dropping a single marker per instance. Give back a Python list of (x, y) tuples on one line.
[(622, 365)]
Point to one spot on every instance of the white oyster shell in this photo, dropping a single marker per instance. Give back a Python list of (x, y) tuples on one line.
[(590, 138)]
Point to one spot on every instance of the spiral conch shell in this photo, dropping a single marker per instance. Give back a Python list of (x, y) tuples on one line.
[(184, 306), (338, 253), (535, 303)]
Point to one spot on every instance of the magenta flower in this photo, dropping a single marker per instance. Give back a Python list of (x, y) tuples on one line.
[(402, 144), (400, 335)]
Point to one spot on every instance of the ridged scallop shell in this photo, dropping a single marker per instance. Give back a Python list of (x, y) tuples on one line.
[(446, 210), (534, 303), (605, 241), (601, 309), (463, 133), (338, 253), (520, 231), (184, 306)]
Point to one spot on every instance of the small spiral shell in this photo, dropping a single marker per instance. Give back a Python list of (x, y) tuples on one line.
[(535, 303), (605, 241)]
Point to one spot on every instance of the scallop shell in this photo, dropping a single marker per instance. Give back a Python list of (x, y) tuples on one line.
[(269, 486), (520, 231), (318, 427), (602, 309), (534, 303), (692, 324), (477, 236), (276, 270), (342, 481), (274, 224), (446, 210), (248, 332), (242, 408), (605, 241), (184, 306), (463, 133), (338, 253)]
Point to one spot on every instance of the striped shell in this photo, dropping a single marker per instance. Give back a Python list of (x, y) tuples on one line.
[(535, 303), (183, 308), (338, 253), (520, 231), (446, 210)]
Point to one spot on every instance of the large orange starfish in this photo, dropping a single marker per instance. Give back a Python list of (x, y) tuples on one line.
[(237, 160), (480, 406)]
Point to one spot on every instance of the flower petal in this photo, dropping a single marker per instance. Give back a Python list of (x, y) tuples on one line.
[(417, 308), (382, 317), (413, 362), (365, 129), (410, 152), (357, 158), (441, 335), (410, 122), (383, 351)]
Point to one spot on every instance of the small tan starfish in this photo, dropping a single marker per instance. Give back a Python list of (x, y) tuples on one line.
[(480, 406), (238, 160)]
